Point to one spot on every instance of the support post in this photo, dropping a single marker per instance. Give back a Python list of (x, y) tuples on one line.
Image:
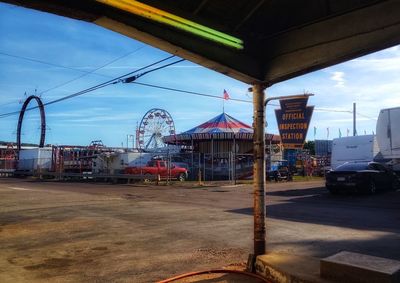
[(234, 159), (192, 160), (212, 159), (259, 168), (354, 120)]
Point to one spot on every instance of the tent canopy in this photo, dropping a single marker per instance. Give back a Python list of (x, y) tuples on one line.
[(221, 127), (222, 123)]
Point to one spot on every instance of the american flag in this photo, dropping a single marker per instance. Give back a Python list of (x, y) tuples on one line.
[(226, 95)]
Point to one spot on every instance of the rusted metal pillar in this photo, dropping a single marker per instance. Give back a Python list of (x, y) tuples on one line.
[(354, 120), (212, 158), (259, 168)]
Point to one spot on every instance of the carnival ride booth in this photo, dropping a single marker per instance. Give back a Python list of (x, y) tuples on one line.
[(221, 148)]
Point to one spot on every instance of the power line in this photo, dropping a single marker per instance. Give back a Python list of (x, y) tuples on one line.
[(365, 116), (92, 71), (113, 81), (189, 92), (333, 110), (135, 77), (46, 63), (85, 73), (104, 84), (235, 99), (132, 80)]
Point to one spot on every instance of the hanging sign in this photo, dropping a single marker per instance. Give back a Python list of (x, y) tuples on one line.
[(293, 121)]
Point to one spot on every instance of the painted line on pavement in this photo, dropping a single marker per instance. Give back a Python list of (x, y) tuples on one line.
[(19, 189)]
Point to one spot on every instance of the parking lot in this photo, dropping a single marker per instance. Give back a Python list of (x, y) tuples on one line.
[(81, 232)]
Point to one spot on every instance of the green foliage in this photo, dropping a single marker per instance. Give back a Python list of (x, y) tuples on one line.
[(310, 145)]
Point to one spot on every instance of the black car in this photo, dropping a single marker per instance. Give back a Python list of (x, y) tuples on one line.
[(361, 177), (282, 174)]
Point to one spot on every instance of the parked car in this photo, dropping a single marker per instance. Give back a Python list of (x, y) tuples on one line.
[(155, 168), (281, 174), (361, 177)]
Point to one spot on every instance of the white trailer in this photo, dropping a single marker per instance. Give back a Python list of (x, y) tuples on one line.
[(357, 148), (116, 162), (388, 132), (388, 135), (35, 159)]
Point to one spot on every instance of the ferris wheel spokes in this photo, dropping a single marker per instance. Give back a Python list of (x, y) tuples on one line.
[(155, 124)]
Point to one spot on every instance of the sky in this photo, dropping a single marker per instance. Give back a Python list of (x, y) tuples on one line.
[(53, 56)]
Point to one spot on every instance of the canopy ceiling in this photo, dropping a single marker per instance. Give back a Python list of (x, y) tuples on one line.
[(281, 38)]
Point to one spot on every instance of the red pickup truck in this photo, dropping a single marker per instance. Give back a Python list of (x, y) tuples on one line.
[(159, 167)]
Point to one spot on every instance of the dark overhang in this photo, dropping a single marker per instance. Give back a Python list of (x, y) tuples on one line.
[(281, 38)]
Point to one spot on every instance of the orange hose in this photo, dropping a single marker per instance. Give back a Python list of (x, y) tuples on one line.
[(212, 271)]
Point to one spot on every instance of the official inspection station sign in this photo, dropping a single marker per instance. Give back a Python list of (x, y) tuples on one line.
[(293, 121)]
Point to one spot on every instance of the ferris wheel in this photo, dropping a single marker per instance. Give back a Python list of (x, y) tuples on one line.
[(156, 124)]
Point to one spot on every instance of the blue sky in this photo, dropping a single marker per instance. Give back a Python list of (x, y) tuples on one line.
[(72, 48)]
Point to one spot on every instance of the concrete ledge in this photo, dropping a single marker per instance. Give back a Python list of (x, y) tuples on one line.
[(354, 267), (287, 268)]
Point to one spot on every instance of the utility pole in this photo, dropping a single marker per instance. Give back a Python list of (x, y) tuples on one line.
[(354, 120)]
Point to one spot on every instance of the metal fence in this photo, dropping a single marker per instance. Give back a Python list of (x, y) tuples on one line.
[(217, 166), (7, 167), (204, 167)]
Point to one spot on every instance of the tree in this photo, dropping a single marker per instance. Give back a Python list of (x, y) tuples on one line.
[(310, 145)]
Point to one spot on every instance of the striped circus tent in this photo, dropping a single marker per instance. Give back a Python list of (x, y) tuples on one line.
[(221, 124), (219, 134)]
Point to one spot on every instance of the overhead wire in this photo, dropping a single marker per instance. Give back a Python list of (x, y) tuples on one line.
[(110, 82), (132, 80), (45, 63), (189, 92), (333, 110), (365, 116), (94, 70), (104, 84), (85, 73), (234, 99)]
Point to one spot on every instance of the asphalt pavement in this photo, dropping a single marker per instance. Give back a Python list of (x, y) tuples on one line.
[(81, 232)]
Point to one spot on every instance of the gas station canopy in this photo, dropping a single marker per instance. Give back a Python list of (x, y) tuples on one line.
[(253, 41)]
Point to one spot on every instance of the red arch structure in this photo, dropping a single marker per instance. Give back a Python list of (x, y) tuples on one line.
[(42, 118)]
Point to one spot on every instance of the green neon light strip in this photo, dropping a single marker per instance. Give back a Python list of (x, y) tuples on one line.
[(160, 16)]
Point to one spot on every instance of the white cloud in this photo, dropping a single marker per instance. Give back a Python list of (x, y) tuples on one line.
[(378, 64), (338, 77), (79, 113), (104, 118)]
